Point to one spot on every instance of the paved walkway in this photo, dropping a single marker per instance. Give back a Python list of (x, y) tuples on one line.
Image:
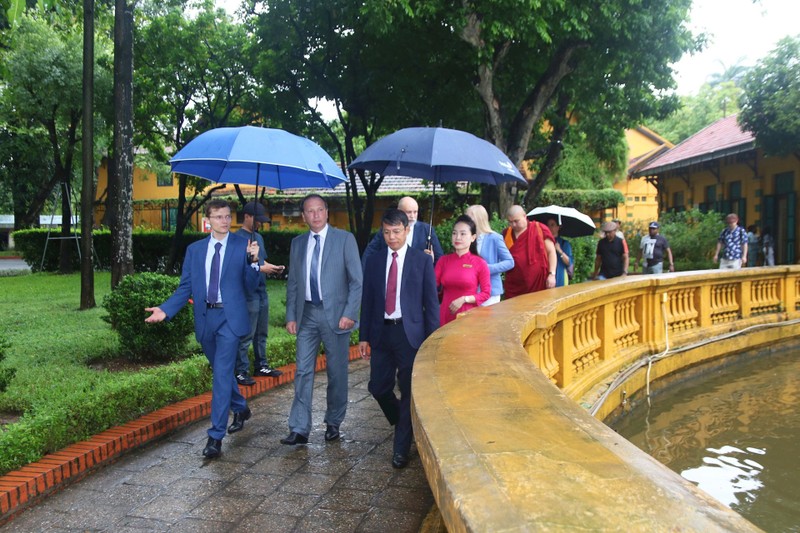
[(257, 484), (13, 263)]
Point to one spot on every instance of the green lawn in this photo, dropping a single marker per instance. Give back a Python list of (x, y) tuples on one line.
[(62, 388)]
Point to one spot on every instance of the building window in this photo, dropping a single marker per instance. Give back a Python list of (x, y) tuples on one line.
[(677, 201), (164, 180), (169, 217), (735, 190)]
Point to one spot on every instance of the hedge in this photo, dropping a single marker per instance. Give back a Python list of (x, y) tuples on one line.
[(150, 248), (79, 416)]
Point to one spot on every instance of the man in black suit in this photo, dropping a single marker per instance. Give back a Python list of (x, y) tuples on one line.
[(417, 237), (399, 309)]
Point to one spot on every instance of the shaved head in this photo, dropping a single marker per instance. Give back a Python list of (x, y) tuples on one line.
[(516, 219), (410, 207)]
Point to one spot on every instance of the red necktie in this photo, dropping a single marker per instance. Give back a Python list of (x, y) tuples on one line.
[(391, 286)]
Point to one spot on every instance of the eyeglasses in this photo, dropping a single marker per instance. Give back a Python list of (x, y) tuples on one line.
[(220, 217)]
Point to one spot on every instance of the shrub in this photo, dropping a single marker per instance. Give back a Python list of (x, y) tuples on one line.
[(5, 373), (692, 237), (80, 415), (150, 248), (138, 340)]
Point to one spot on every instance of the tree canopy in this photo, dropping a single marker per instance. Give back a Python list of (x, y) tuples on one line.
[(771, 99), (611, 60)]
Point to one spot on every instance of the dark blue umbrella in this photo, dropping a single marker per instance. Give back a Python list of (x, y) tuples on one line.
[(439, 155), (249, 155)]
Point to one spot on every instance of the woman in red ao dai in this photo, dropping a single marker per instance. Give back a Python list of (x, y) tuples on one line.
[(462, 276)]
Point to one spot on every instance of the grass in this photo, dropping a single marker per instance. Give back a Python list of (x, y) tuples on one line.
[(58, 350), (70, 382)]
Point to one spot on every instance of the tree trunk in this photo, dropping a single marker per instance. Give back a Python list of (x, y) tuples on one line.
[(122, 236), (87, 190), (553, 153), (66, 243)]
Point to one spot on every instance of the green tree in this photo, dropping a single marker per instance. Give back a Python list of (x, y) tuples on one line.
[(377, 83), (771, 99), (42, 99), (193, 73), (734, 73), (530, 57), (711, 103)]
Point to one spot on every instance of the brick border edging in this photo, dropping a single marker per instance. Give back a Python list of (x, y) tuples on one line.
[(26, 486)]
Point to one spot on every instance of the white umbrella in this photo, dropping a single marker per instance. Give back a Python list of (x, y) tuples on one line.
[(573, 223)]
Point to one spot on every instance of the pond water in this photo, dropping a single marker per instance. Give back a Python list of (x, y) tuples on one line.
[(735, 433)]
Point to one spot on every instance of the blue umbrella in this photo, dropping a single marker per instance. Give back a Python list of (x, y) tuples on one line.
[(439, 155), (249, 155)]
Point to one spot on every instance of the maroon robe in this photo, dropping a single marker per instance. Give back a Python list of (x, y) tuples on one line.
[(530, 260)]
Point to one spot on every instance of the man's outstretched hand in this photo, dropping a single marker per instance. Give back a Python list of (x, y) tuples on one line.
[(157, 315)]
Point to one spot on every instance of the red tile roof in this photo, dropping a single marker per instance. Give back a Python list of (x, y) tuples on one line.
[(723, 137)]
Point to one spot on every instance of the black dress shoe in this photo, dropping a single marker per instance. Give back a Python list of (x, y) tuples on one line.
[(238, 420), (331, 433), (213, 448), (294, 438), (399, 460)]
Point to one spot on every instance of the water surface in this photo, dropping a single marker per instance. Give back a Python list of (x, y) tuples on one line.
[(735, 433)]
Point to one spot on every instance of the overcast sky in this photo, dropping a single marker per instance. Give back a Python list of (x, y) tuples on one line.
[(740, 31)]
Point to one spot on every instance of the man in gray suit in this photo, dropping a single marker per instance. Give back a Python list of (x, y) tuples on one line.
[(323, 295)]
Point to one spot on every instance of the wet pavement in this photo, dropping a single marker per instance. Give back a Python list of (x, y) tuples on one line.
[(13, 263), (257, 484)]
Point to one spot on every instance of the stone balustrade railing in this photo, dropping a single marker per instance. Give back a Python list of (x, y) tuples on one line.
[(500, 397)]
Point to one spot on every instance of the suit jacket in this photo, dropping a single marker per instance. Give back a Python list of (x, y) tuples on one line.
[(340, 278), (495, 252), (419, 302), (237, 280), (420, 242)]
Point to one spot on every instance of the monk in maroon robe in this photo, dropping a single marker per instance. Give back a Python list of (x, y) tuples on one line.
[(533, 248)]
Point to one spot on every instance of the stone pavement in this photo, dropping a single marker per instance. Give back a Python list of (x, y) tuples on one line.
[(257, 484), (13, 263)]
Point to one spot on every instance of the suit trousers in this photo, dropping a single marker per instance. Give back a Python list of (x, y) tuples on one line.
[(394, 356), (314, 329), (221, 345), (258, 309)]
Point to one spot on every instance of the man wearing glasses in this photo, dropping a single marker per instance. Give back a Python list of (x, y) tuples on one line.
[(218, 273)]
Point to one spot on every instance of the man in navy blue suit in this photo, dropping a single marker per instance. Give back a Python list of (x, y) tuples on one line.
[(218, 274), (417, 236), (399, 309)]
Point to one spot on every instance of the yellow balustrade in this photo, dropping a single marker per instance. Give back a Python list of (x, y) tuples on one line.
[(500, 398)]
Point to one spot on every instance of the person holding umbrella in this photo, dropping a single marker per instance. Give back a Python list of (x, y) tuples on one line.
[(257, 302), (418, 234), (563, 247), (218, 274)]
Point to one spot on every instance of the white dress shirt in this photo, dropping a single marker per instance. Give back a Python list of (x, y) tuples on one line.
[(210, 256), (309, 254), (401, 259)]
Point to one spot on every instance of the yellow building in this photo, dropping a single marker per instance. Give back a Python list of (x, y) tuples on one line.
[(156, 200), (720, 169), (641, 197)]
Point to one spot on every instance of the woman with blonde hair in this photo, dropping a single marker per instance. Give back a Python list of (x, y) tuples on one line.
[(492, 249)]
